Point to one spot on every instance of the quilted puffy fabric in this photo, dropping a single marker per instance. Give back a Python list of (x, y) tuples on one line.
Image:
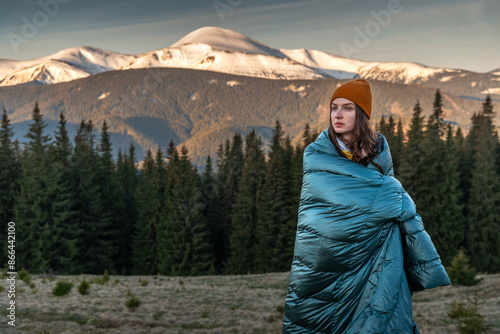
[(360, 250)]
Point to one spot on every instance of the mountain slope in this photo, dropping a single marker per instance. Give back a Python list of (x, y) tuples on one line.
[(201, 109)]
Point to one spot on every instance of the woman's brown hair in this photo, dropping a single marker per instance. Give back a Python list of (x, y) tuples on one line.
[(364, 145)]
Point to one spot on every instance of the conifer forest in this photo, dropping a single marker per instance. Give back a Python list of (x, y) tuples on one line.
[(78, 209)]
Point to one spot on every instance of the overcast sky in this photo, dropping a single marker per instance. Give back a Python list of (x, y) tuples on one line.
[(448, 33)]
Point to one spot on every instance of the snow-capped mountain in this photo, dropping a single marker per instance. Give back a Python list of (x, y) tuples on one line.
[(66, 65), (226, 51)]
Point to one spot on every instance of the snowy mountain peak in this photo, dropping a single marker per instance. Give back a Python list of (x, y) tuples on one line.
[(220, 50), (227, 40)]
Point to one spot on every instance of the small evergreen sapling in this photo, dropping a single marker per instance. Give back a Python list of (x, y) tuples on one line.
[(460, 272), (62, 288), (470, 321), (84, 287)]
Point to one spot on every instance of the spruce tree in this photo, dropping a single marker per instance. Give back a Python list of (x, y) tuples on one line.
[(95, 243), (61, 251), (229, 168), (212, 212), (451, 229), (126, 174), (413, 157), (185, 248), (397, 147), (483, 212), (117, 231), (243, 239), (439, 199), (308, 136), (382, 125), (273, 229), (34, 211), (10, 172), (148, 196)]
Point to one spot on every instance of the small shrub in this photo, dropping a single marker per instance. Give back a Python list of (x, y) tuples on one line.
[(62, 288), (132, 303), (144, 282), (205, 314), (469, 320), (460, 272), (271, 318), (116, 282), (129, 293), (32, 285), (24, 276), (1, 289), (158, 315), (105, 277), (280, 309), (44, 280), (84, 287)]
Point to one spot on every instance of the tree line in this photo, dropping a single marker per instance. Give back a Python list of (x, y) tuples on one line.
[(79, 210)]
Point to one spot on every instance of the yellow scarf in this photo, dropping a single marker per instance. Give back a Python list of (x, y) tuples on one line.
[(345, 149), (348, 154)]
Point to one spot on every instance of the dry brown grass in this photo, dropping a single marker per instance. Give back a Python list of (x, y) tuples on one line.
[(208, 304)]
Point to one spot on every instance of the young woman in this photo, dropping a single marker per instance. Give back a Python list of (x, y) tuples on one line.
[(361, 248)]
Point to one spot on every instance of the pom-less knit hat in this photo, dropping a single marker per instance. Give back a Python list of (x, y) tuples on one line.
[(359, 92)]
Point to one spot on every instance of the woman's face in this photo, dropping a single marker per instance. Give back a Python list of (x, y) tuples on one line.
[(343, 114)]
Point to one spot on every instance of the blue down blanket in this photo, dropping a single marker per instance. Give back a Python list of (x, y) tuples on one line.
[(360, 250)]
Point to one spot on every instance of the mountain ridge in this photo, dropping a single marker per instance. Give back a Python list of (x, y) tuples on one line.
[(201, 109), (226, 51)]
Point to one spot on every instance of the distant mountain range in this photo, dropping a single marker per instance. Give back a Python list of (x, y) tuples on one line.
[(176, 92), (226, 51)]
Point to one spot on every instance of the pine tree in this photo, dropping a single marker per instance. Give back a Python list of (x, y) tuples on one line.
[(148, 196), (243, 239), (295, 182), (397, 147), (451, 231), (212, 212), (62, 249), (116, 230), (483, 211), (94, 219), (413, 155), (229, 169), (439, 199), (273, 228), (382, 126), (184, 245), (10, 172), (126, 173), (34, 213)]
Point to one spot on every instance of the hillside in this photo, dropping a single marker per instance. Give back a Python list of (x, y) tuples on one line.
[(150, 107)]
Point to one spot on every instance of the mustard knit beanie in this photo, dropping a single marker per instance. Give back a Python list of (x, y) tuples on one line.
[(359, 92)]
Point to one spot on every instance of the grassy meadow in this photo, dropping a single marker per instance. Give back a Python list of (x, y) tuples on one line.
[(205, 304)]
